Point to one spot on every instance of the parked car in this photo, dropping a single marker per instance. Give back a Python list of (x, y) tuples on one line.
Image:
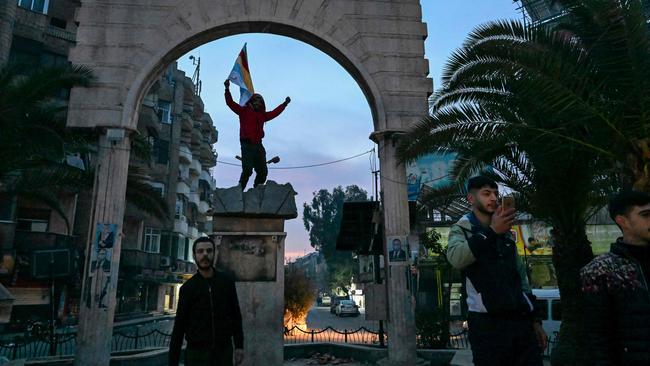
[(335, 302), (326, 301), (347, 307)]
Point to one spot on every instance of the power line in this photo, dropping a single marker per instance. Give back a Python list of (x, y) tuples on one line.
[(306, 166)]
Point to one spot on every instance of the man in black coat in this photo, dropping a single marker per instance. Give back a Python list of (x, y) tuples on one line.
[(208, 315), (615, 286)]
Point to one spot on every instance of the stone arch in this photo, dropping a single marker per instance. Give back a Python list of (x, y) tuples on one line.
[(126, 43), (143, 81), (379, 43)]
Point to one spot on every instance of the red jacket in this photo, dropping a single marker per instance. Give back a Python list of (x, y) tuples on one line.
[(251, 123)]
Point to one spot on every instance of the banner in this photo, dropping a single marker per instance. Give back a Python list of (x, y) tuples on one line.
[(431, 170)]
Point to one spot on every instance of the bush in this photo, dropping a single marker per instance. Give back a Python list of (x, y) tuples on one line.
[(432, 328), (299, 295)]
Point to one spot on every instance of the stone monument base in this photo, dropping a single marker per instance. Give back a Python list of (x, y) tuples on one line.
[(249, 230)]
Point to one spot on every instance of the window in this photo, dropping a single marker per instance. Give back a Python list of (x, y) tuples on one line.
[(151, 242), (178, 247), (35, 5), (161, 151), (181, 203), (59, 23), (165, 112), (32, 219), (542, 305), (7, 207), (556, 309), (158, 187), (166, 244)]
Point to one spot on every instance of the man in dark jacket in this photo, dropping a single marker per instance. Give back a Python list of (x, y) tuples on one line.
[(615, 285), (208, 315), (503, 330), (252, 117)]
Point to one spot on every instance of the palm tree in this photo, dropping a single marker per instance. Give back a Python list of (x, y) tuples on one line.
[(559, 115), (34, 141)]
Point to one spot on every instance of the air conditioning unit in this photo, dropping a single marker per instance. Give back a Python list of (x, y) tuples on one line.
[(165, 262)]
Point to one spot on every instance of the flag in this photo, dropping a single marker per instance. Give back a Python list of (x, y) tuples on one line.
[(241, 76)]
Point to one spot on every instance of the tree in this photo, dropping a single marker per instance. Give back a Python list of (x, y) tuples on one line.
[(299, 295), (322, 219), (559, 114)]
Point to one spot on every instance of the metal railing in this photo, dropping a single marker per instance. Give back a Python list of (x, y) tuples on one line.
[(360, 336), (66, 344)]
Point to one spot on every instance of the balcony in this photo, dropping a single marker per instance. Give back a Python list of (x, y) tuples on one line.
[(136, 258), (205, 175), (180, 225), (28, 240), (195, 168), (194, 198), (183, 188), (60, 33), (185, 155), (193, 232), (186, 122), (204, 207)]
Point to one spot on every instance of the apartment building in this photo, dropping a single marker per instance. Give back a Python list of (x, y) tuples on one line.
[(41, 259)]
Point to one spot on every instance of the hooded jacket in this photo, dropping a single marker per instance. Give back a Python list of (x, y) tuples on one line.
[(251, 122), (495, 277)]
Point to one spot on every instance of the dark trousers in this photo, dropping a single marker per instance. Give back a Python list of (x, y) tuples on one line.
[(503, 341), (253, 156), (221, 356)]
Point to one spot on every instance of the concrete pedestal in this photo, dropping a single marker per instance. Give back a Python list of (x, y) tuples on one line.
[(249, 231)]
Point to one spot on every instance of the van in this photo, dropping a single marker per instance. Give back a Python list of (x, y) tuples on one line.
[(548, 301)]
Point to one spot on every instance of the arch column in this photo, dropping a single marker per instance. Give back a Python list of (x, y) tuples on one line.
[(99, 286), (401, 308)]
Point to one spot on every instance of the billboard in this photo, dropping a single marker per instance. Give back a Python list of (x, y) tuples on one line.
[(431, 170)]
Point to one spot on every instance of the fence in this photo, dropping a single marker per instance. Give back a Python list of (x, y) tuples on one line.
[(360, 336), (329, 334), (66, 344)]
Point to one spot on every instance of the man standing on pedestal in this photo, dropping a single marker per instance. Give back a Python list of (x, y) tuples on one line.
[(252, 117), (208, 315)]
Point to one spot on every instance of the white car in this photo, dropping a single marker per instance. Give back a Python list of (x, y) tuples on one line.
[(347, 307), (326, 300)]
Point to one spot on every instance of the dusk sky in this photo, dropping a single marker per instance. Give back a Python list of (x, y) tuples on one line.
[(329, 118)]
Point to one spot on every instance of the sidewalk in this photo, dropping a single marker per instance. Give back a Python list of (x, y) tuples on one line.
[(463, 357)]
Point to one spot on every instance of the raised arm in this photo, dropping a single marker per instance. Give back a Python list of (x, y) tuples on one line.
[(231, 103), (276, 112)]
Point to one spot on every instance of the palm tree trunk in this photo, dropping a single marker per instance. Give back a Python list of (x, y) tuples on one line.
[(572, 251)]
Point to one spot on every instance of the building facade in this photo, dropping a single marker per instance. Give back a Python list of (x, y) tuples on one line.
[(42, 258)]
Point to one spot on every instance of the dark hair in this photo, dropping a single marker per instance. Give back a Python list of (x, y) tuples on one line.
[(479, 182), (622, 202), (531, 239), (204, 239)]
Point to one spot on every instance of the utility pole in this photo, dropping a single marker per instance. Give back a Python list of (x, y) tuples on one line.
[(376, 259)]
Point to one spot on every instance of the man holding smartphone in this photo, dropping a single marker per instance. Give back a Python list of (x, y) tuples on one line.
[(503, 329)]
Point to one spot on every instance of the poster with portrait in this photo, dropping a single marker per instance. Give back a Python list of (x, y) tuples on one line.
[(102, 250), (398, 249)]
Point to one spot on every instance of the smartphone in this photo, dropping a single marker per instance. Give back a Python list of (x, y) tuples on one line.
[(507, 202)]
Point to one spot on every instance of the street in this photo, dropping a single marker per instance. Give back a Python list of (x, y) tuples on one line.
[(319, 317)]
